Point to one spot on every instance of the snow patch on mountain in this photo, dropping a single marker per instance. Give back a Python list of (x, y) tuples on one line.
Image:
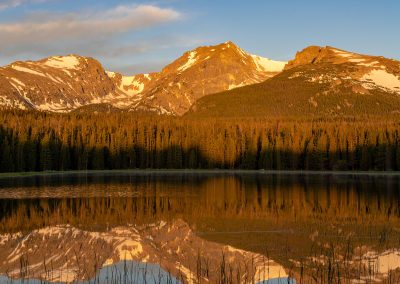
[(16, 87), (191, 60), (129, 85), (372, 64), (51, 106), (18, 82), (111, 74), (343, 53), (382, 79), (268, 65), (357, 60), (127, 80), (234, 86), (61, 62), (27, 70)]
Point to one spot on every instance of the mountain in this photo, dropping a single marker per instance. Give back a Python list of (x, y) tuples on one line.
[(319, 81), (56, 84), (65, 253), (200, 72), (65, 83)]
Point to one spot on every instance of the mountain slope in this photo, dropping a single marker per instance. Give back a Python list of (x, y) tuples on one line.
[(320, 81), (65, 83), (55, 84)]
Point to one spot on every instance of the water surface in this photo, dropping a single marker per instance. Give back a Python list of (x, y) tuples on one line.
[(317, 227)]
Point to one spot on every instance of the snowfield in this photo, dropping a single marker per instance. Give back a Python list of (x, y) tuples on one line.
[(383, 79), (61, 62), (268, 65)]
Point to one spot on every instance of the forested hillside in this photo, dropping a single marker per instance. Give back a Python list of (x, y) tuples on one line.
[(33, 141)]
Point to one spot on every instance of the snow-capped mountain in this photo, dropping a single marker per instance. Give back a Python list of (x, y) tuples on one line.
[(319, 81), (56, 84), (65, 83), (363, 71), (200, 72)]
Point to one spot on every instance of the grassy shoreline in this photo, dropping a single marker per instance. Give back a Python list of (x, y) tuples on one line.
[(194, 171)]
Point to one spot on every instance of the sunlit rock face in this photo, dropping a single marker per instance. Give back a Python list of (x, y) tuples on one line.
[(65, 253), (65, 83)]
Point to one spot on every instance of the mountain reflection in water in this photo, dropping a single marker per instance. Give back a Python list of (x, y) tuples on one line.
[(203, 226)]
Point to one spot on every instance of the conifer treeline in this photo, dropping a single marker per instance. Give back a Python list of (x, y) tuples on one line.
[(32, 141)]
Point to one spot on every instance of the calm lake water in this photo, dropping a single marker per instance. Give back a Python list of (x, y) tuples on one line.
[(175, 227)]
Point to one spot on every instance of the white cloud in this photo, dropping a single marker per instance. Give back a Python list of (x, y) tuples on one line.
[(49, 33), (108, 35), (5, 4), (49, 27)]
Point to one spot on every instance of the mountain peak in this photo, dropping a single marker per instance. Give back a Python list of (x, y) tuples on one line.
[(327, 54), (62, 62), (229, 44), (220, 47), (227, 56)]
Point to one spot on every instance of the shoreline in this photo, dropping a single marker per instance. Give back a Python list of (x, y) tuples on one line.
[(194, 172)]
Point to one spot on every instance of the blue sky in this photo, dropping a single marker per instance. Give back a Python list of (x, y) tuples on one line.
[(143, 36)]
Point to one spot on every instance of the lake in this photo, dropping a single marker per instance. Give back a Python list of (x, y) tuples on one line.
[(194, 227)]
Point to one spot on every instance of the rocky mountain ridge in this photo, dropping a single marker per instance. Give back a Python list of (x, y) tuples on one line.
[(323, 80), (65, 83)]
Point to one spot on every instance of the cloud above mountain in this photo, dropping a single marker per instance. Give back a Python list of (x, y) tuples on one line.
[(5, 4), (43, 33)]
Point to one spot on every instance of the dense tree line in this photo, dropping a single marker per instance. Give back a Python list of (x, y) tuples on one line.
[(32, 141)]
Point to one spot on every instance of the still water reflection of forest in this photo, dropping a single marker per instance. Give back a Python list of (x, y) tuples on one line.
[(317, 228)]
